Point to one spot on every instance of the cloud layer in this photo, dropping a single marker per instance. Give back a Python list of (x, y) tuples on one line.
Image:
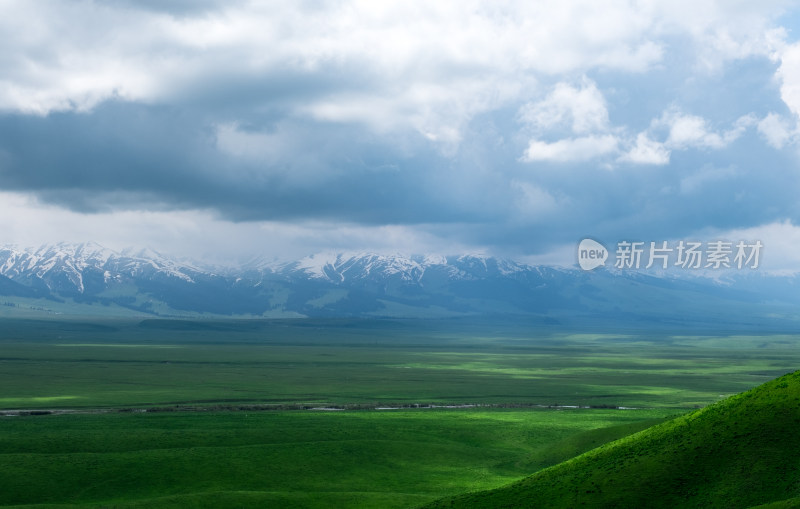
[(507, 127)]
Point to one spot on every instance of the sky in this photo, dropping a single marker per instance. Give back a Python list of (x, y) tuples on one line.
[(223, 129)]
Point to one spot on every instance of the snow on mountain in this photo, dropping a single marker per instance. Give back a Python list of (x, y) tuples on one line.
[(434, 259), (334, 284), (67, 261), (136, 261), (337, 267), (61, 266), (90, 269), (340, 267), (315, 265)]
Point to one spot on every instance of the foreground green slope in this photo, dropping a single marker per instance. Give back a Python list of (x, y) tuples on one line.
[(741, 452)]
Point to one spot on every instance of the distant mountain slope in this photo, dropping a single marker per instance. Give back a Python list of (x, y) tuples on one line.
[(741, 452), (87, 278)]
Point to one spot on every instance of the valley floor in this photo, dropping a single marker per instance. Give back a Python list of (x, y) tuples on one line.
[(207, 414)]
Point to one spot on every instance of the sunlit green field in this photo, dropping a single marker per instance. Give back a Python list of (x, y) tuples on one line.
[(76, 364), (189, 453)]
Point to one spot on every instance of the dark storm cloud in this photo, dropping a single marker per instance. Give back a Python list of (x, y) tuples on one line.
[(129, 156), (170, 159)]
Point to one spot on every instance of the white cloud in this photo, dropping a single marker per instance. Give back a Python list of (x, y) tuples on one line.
[(690, 131), (777, 130), (788, 74), (571, 149), (425, 66), (647, 151), (722, 30), (73, 55), (582, 112), (436, 110), (582, 109), (685, 131), (780, 240)]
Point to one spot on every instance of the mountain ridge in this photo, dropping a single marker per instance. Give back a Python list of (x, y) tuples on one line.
[(363, 284)]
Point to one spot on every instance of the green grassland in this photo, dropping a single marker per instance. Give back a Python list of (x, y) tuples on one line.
[(326, 459), (47, 364), (185, 452), (741, 452)]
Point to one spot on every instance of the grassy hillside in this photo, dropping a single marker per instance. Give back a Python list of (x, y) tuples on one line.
[(741, 452)]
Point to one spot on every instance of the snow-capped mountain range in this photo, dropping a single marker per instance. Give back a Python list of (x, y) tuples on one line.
[(341, 267), (90, 279), (63, 266)]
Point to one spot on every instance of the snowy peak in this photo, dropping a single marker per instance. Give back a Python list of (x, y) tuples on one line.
[(338, 267), (79, 254), (63, 264), (74, 261), (367, 265), (64, 267), (341, 267), (143, 279), (93, 279), (45, 258)]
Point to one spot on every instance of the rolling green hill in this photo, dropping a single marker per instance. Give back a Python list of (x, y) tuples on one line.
[(741, 452)]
